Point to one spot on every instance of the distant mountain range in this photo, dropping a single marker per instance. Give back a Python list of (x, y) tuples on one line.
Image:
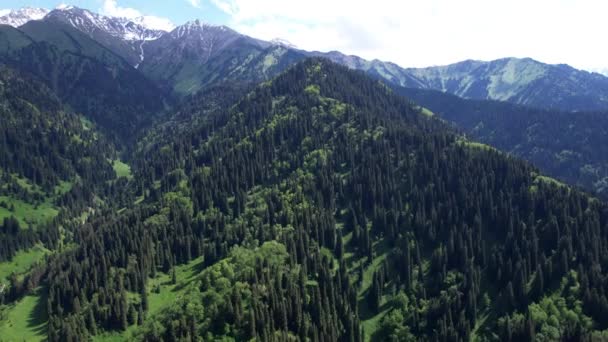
[(195, 55), (522, 81), (122, 74), (570, 146), (21, 16)]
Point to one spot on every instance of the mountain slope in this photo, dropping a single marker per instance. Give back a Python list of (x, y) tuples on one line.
[(122, 36), (196, 55), (323, 204), (522, 81), (48, 158), (12, 40), (84, 74), (569, 146)]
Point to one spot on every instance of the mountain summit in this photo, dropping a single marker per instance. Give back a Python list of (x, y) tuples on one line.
[(93, 23), (18, 17)]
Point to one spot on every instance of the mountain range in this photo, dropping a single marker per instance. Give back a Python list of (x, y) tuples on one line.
[(21, 16), (201, 184), (195, 55)]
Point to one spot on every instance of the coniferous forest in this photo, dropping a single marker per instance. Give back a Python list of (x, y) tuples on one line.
[(318, 205)]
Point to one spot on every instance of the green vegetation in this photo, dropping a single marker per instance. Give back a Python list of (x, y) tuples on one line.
[(319, 205), (477, 145), (312, 89), (33, 214), (22, 262), (26, 319), (85, 75), (122, 169), (357, 218), (566, 146), (544, 180), (27, 214), (549, 180), (426, 111)]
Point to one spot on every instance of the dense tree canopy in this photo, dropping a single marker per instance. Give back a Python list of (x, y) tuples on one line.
[(321, 202)]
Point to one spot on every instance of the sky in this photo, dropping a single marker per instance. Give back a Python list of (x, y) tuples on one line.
[(409, 33)]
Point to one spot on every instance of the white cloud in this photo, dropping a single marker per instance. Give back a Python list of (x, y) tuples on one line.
[(603, 71), (195, 3), (4, 12), (111, 8), (433, 32)]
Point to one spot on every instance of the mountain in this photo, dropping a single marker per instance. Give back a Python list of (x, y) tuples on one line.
[(322, 203), (23, 15), (52, 162), (84, 74), (196, 55), (122, 36), (568, 146), (282, 197), (522, 81)]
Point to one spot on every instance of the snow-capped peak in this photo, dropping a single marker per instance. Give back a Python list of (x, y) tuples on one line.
[(21, 16), (283, 43), (90, 22), (195, 26)]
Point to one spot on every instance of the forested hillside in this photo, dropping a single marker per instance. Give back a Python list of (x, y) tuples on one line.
[(323, 206), (84, 75), (54, 167), (569, 146), (192, 183)]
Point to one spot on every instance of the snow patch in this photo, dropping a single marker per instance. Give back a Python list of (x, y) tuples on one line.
[(283, 42), (64, 7), (141, 54), (90, 22)]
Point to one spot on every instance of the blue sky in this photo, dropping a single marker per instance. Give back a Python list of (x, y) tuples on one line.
[(411, 33), (178, 11)]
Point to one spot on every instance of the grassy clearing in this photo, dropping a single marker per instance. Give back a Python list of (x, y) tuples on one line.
[(122, 169), (26, 319), (63, 188), (371, 325), (22, 262), (426, 111), (381, 250), (369, 321), (33, 214), (27, 213)]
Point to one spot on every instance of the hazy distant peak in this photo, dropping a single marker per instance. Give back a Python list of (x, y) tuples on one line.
[(23, 15)]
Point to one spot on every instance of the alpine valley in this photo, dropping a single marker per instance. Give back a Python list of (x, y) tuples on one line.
[(199, 184)]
